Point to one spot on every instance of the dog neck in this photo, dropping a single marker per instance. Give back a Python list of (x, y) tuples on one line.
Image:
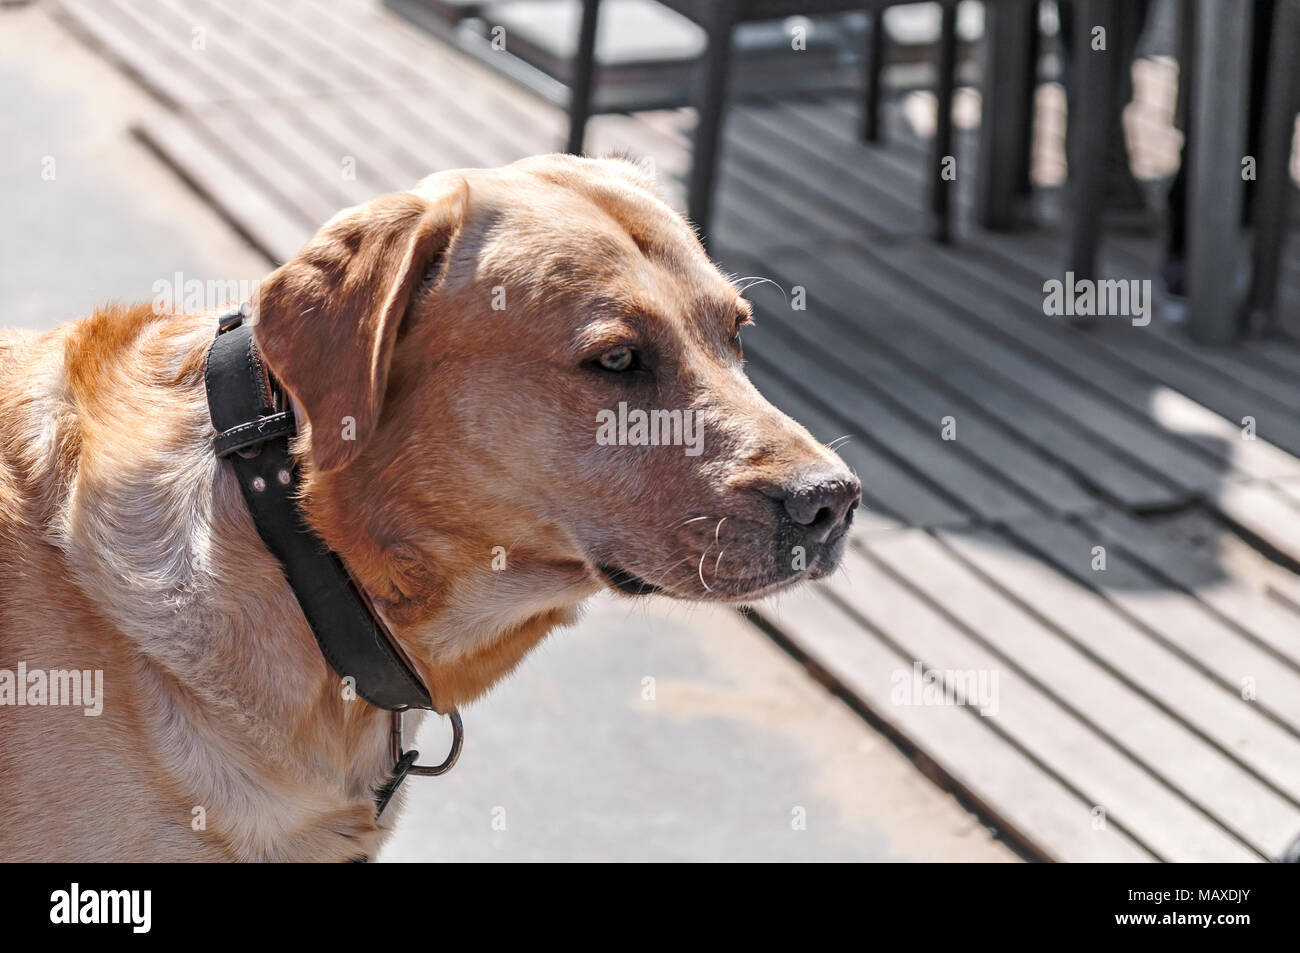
[(463, 615), (462, 618)]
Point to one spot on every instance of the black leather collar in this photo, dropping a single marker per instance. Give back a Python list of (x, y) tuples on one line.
[(254, 423)]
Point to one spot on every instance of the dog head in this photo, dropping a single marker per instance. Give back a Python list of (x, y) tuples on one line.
[(525, 383)]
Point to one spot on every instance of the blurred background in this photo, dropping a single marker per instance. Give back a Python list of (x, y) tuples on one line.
[(1031, 266)]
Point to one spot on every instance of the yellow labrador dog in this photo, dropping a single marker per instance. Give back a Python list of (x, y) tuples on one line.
[(463, 360)]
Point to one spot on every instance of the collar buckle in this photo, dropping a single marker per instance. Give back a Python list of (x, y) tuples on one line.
[(232, 318)]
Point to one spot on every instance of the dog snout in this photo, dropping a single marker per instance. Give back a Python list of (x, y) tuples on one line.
[(822, 503)]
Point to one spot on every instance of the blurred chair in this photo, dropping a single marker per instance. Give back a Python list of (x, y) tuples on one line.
[(1273, 190), (1241, 69), (1008, 78), (1219, 42), (718, 18)]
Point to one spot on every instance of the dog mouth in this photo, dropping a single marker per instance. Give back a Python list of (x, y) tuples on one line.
[(763, 578), (626, 582)]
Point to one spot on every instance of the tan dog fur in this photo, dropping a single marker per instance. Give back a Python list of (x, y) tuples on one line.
[(125, 545)]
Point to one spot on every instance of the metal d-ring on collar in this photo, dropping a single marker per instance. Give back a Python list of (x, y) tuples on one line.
[(404, 761), (428, 770)]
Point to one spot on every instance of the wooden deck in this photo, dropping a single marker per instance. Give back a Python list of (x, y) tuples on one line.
[(1149, 710)]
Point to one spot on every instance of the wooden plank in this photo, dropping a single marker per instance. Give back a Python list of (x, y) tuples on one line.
[(162, 34), (165, 73), (1208, 384), (1047, 251), (487, 131), (508, 114), (262, 61), (291, 165), (1281, 355), (276, 231), (241, 41), (1207, 580), (830, 189), (1234, 365), (999, 778), (1011, 309), (1126, 434), (1097, 467), (966, 386), (889, 489), (1263, 512), (871, 370), (757, 142), (1210, 375), (823, 123), (1130, 653), (1183, 624), (904, 322), (768, 211), (785, 211), (1223, 796), (1084, 760), (918, 445), (263, 54), (834, 191), (1286, 592), (316, 139), (1290, 489), (939, 462)]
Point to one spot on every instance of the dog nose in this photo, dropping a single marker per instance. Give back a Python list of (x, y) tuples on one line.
[(824, 504)]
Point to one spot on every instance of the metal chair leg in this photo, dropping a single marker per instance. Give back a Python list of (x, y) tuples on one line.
[(711, 107), (873, 65), (1215, 188), (1008, 26), (584, 74), (1024, 157), (1273, 189), (1090, 95), (941, 188)]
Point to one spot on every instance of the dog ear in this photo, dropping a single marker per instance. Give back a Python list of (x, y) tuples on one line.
[(326, 321)]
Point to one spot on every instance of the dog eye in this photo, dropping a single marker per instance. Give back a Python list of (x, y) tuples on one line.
[(618, 360)]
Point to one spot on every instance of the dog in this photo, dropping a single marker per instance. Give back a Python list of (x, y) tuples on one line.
[(452, 354)]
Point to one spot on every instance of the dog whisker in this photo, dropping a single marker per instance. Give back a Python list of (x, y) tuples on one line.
[(693, 519), (701, 569), (753, 280)]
